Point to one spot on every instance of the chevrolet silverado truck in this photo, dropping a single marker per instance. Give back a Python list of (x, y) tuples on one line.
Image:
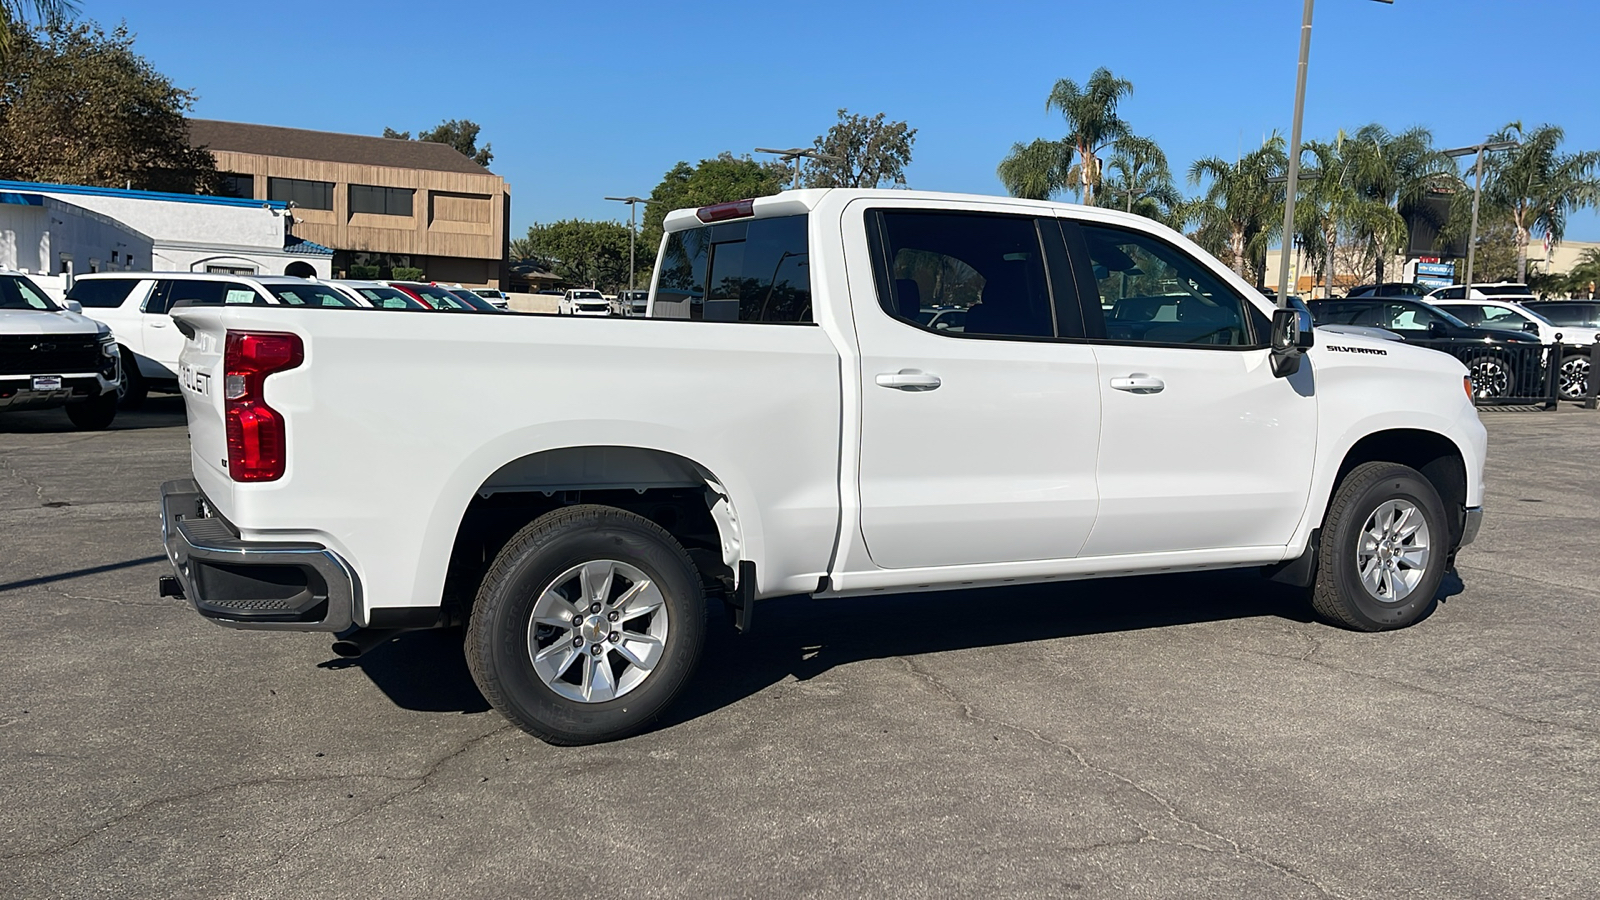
[(51, 355), (578, 492)]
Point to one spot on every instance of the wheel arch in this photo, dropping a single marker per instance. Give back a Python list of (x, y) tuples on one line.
[(1435, 455), (680, 494)]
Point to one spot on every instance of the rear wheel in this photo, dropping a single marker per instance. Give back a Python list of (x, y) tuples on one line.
[(94, 414), (1384, 546), (1491, 377), (135, 388), (1575, 376), (590, 621)]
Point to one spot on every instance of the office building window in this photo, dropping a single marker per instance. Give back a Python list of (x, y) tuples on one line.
[(233, 184), (382, 201), (304, 194)]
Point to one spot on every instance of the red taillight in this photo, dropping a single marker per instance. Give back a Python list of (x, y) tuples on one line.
[(257, 450), (738, 209)]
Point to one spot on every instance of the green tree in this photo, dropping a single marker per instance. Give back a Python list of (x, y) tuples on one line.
[(1397, 170), (581, 251), (461, 134), (1140, 181), (865, 152), (1237, 215), (1538, 185), (1092, 125), (718, 180), (79, 106), (15, 16), (1331, 211)]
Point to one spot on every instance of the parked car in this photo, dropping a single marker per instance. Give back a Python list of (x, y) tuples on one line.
[(634, 303), (1491, 355), (740, 456), (435, 297), (136, 306), (53, 356), (471, 298), (1515, 316), (1510, 290), (1579, 317), (376, 294), (498, 299), (584, 302), (1388, 289)]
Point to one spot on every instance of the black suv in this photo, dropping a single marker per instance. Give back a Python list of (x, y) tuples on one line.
[(1502, 363)]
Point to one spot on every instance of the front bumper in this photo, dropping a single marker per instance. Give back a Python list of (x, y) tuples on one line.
[(262, 585), (1470, 525)]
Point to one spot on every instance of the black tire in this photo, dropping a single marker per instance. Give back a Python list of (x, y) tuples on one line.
[(1339, 595), (94, 414), (1574, 376), (497, 639), (1492, 377), (135, 388)]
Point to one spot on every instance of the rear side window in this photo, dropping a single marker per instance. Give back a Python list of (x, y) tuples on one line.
[(101, 293), (388, 298), (309, 295), (754, 271), (204, 293)]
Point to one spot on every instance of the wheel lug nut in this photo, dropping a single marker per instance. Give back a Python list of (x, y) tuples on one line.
[(614, 637), (577, 619), (577, 642), (595, 649), (612, 616), (594, 608)]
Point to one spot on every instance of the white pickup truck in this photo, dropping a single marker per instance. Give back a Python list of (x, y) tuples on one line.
[(578, 491)]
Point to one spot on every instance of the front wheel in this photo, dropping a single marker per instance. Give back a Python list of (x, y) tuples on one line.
[(134, 387), (1575, 376), (587, 626), (1384, 546), (1491, 377)]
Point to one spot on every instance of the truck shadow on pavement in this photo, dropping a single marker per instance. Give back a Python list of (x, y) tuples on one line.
[(158, 411), (796, 637)]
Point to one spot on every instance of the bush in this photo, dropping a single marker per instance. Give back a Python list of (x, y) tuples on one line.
[(365, 273), (408, 273)]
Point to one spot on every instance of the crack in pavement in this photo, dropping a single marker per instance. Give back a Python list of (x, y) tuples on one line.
[(6, 467), (1167, 806), (421, 780)]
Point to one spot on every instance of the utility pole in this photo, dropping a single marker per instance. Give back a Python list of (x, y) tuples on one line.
[(1477, 191), (795, 154), (633, 203)]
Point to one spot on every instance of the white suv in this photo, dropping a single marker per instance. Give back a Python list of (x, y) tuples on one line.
[(52, 356), (1508, 314), (136, 305), (1500, 290), (584, 302)]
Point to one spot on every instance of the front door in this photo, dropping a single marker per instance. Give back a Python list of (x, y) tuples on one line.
[(1201, 447), (979, 424)]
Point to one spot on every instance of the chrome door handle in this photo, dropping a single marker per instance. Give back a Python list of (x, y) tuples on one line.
[(157, 323), (1139, 383), (909, 380)]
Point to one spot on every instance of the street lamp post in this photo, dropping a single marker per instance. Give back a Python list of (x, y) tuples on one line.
[(1477, 190), (1294, 151), (794, 155), (633, 203)]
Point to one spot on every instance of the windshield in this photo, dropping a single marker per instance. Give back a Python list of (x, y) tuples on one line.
[(1506, 290), (389, 298), (587, 295), (308, 295), (17, 292), (438, 297), (1571, 314), (474, 301)]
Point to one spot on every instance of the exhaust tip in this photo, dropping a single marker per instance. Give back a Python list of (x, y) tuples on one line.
[(347, 649)]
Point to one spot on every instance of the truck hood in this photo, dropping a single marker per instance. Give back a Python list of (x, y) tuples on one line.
[(41, 321)]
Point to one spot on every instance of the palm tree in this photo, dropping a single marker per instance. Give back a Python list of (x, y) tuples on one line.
[(1141, 182), (1241, 205), (1091, 114), (1332, 205), (14, 17), (1538, 185), (1397, 170), (1036, 171)]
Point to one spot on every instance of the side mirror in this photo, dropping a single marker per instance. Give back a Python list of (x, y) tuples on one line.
[(75, 306), (1292, 335), (1531, 327), (1437, 329)]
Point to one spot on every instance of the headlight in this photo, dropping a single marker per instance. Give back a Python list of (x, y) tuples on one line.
[(108, 345)]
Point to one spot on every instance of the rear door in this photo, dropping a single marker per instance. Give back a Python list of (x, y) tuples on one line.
[(978, 445), (1201, 447), (162, 340)]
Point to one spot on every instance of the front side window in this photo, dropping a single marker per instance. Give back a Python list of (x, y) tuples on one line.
[(752, 271), (17, 292), (968, 274), (1151, 292), (303, 194), (389, 298)]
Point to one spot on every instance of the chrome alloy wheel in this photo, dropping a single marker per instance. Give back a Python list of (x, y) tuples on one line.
[(1575, 377), (1490, 379), (1392, 550), (598, 630)]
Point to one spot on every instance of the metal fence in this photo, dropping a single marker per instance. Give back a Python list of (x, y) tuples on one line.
[(1526, 374)]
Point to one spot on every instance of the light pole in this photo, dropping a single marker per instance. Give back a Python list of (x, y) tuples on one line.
[(1477, 190), (1294, 151), (795, 154), (633, 203)]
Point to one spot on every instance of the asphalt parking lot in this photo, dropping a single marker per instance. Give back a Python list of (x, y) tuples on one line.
[(1176, 736)]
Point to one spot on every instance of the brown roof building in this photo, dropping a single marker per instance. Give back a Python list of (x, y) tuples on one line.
[(375, 201)]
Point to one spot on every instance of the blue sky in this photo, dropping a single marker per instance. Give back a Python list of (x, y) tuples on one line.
[(584, 100)]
